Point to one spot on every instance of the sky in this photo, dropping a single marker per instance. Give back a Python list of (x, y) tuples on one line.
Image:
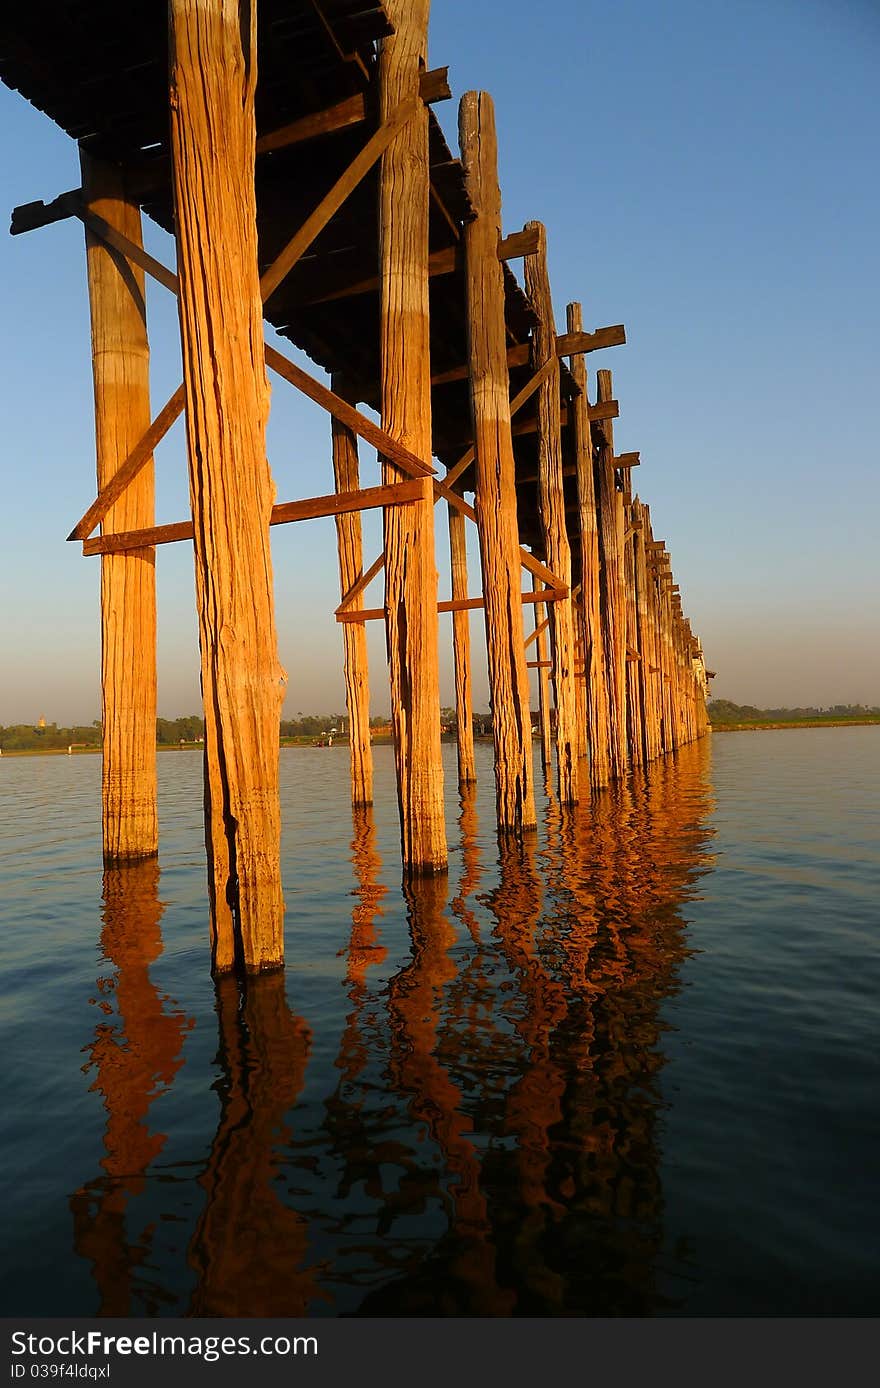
[(707, 173)]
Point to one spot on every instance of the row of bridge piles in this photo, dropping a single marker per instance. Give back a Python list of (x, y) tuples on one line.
[(620, 676)]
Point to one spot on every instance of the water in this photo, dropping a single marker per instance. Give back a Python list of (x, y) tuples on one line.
[(629, 1070)]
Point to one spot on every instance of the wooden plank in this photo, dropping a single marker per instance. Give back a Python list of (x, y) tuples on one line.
[(442, 262), (566, 344), (368, 614), (310, 508), (360, 584), (626, 460), (433, 86), (365, 429), (341, 190), (125, 474)]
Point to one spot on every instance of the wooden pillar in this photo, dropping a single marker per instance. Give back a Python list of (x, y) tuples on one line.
[(647, 636), (593, 651), (634, 710), (461, 649), (541, 653), (121, 370), (346, 475), (551, 506), (213, 76), (410, 567), (613, 587), (495, 493)]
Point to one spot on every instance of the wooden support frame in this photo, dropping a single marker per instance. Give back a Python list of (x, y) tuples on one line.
[(341, 190), (461, 648)]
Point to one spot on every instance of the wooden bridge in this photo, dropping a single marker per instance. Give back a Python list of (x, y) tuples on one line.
[(324, 199)]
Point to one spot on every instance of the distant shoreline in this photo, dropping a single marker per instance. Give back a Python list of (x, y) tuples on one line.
[(795, 723)]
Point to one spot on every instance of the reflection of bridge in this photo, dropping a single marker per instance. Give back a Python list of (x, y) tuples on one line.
[(366, 243), (486, 1143)]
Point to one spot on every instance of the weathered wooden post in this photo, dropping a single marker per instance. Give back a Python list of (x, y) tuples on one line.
[(593, 651), (461, 649), (647, 635), (551, 506), (410, 567), (121, 371), (634, 710), (213, 54), (611, 532), (543, 665), (495, 492), (346, 474)]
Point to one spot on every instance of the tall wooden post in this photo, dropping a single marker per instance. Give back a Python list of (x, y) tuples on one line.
[(121, 370), (634, 711), (593, 648), (495, 493), (461, 649), (543, 679), (551, 505), (213, 53), (346, 476), (613, 587), (410, 568), (647, 636)]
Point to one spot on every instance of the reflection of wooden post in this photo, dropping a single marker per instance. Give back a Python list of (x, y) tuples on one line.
[(250, 1248), (613, 588), (410, 572), (551, 505), (461, 649), (121, 367), (495, 494), (354, 634), (543, 679), (213, 76), (593, 652)]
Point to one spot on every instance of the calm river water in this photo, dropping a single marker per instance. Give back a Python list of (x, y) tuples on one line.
[(630, 1070)]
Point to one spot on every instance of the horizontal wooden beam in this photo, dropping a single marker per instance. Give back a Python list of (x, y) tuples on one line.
[(566, 344), (433, 86), (539, 664), (443, 262), (373, 614), (625, 460), (335, 504)]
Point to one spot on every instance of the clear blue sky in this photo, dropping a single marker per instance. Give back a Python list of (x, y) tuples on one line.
[(707, 172)]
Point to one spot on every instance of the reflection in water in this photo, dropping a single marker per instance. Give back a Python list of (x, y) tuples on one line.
[(249, 1249), (136, 1052), (488, 1140)]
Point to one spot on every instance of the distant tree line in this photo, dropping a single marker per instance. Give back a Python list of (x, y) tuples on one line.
[(171, 732), (723, 711)]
